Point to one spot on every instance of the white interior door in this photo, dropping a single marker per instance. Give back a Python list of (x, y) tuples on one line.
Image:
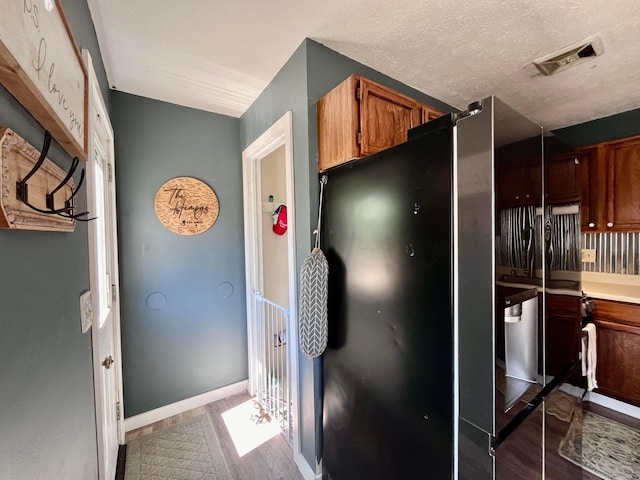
[(104, 284)]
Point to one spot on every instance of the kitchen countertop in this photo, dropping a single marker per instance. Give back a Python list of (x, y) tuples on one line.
[(605, 286), (554, 291), (611, 286)]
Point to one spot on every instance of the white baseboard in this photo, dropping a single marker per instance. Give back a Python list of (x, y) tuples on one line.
[(157, 414), (303, 467), (603, 400), (613, 404)]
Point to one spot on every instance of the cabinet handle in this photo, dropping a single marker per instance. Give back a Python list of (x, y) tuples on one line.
[(592, 225), (517, 197), (610, 224), (527, 195)]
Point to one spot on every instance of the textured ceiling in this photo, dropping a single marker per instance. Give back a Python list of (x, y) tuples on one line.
[(218, 55)]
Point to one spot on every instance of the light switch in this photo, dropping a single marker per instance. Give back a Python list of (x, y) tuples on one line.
[(588, 255), (86, 312)]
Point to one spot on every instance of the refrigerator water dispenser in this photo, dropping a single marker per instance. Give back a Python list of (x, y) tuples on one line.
[(521, 345)]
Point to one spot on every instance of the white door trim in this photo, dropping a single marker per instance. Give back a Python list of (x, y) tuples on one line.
[(97, 110), (278, 135)]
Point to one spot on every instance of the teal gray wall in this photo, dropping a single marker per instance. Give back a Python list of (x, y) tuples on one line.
[(47, 413), (626, 124), (310, 73), (197, 341), (288, 92)]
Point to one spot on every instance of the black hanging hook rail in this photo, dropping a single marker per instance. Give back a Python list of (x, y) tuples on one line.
[(22, 188)]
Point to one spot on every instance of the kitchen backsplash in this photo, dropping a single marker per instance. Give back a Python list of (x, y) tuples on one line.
[(523, 236), (615, 252)]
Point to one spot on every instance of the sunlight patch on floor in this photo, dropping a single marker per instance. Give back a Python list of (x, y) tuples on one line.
[(249, 426)]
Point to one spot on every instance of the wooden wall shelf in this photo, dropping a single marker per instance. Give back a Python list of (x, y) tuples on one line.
[(17, 158)]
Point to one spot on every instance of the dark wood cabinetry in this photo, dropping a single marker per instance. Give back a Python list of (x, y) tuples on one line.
[(519, 175), (518, 183), (562, 178), (360, 117), (618, 334), (589, 159), (610, 198), (564, 324), (430, 113), (622, 180)]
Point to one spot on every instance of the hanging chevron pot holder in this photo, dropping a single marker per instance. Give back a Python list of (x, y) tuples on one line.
[(313, 304)]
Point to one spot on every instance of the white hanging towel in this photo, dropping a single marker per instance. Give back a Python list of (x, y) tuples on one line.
[(589, 356), (314, 276)]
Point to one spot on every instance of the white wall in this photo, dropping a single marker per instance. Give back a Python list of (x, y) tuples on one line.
[(274, 247)]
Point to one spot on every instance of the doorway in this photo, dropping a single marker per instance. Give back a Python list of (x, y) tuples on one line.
[(271, 277), (103, 271)]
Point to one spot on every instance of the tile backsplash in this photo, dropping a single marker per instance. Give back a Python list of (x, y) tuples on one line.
[(615, 252)]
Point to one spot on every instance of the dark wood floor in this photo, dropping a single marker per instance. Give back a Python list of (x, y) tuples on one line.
[(273, 460), (520, 457)]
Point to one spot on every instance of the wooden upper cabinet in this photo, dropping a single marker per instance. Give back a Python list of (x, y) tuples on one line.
[(430, 113), (623, 186), (589, 187), (339, 125), (385, 117), (562, 179), (610, 197), (518, 183), (360, 117)]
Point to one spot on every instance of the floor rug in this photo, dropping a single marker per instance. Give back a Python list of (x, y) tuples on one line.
[(559, 404), (603, 447), (188, 450)]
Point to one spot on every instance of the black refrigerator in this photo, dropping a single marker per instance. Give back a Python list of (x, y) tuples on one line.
[(415, 374)]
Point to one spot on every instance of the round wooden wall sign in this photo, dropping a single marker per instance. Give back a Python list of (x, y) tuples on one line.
[(186, 206)]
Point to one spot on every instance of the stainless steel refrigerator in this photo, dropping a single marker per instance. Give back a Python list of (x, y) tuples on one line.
[(428, 359)]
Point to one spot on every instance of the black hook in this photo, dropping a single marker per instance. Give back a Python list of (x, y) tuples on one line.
[(72, 170), (69, 204), (22, 190)]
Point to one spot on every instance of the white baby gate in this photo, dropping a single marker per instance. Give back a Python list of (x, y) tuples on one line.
[(273, 372)]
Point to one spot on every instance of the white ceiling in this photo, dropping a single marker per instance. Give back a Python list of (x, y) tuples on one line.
[(218, 55)]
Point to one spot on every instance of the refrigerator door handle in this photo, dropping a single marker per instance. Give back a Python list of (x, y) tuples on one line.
[(516, 421)]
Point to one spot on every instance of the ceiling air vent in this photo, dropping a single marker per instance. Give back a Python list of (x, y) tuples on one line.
[(568, 57)]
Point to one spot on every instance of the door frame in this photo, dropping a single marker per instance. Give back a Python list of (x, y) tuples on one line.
[(278, 135), (97, 112)]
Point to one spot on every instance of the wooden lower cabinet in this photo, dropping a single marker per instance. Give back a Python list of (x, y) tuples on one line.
[(618, 333), (564, 324)]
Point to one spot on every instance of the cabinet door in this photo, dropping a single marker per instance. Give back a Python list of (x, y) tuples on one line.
[(532, 182), (518, 183), (562, 342), (623, 194), (590, 188), (562, 179), (338, 125), (562, 332), (429, 113), (618, 334), (385, 117), (618, 374), (509, 184)]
